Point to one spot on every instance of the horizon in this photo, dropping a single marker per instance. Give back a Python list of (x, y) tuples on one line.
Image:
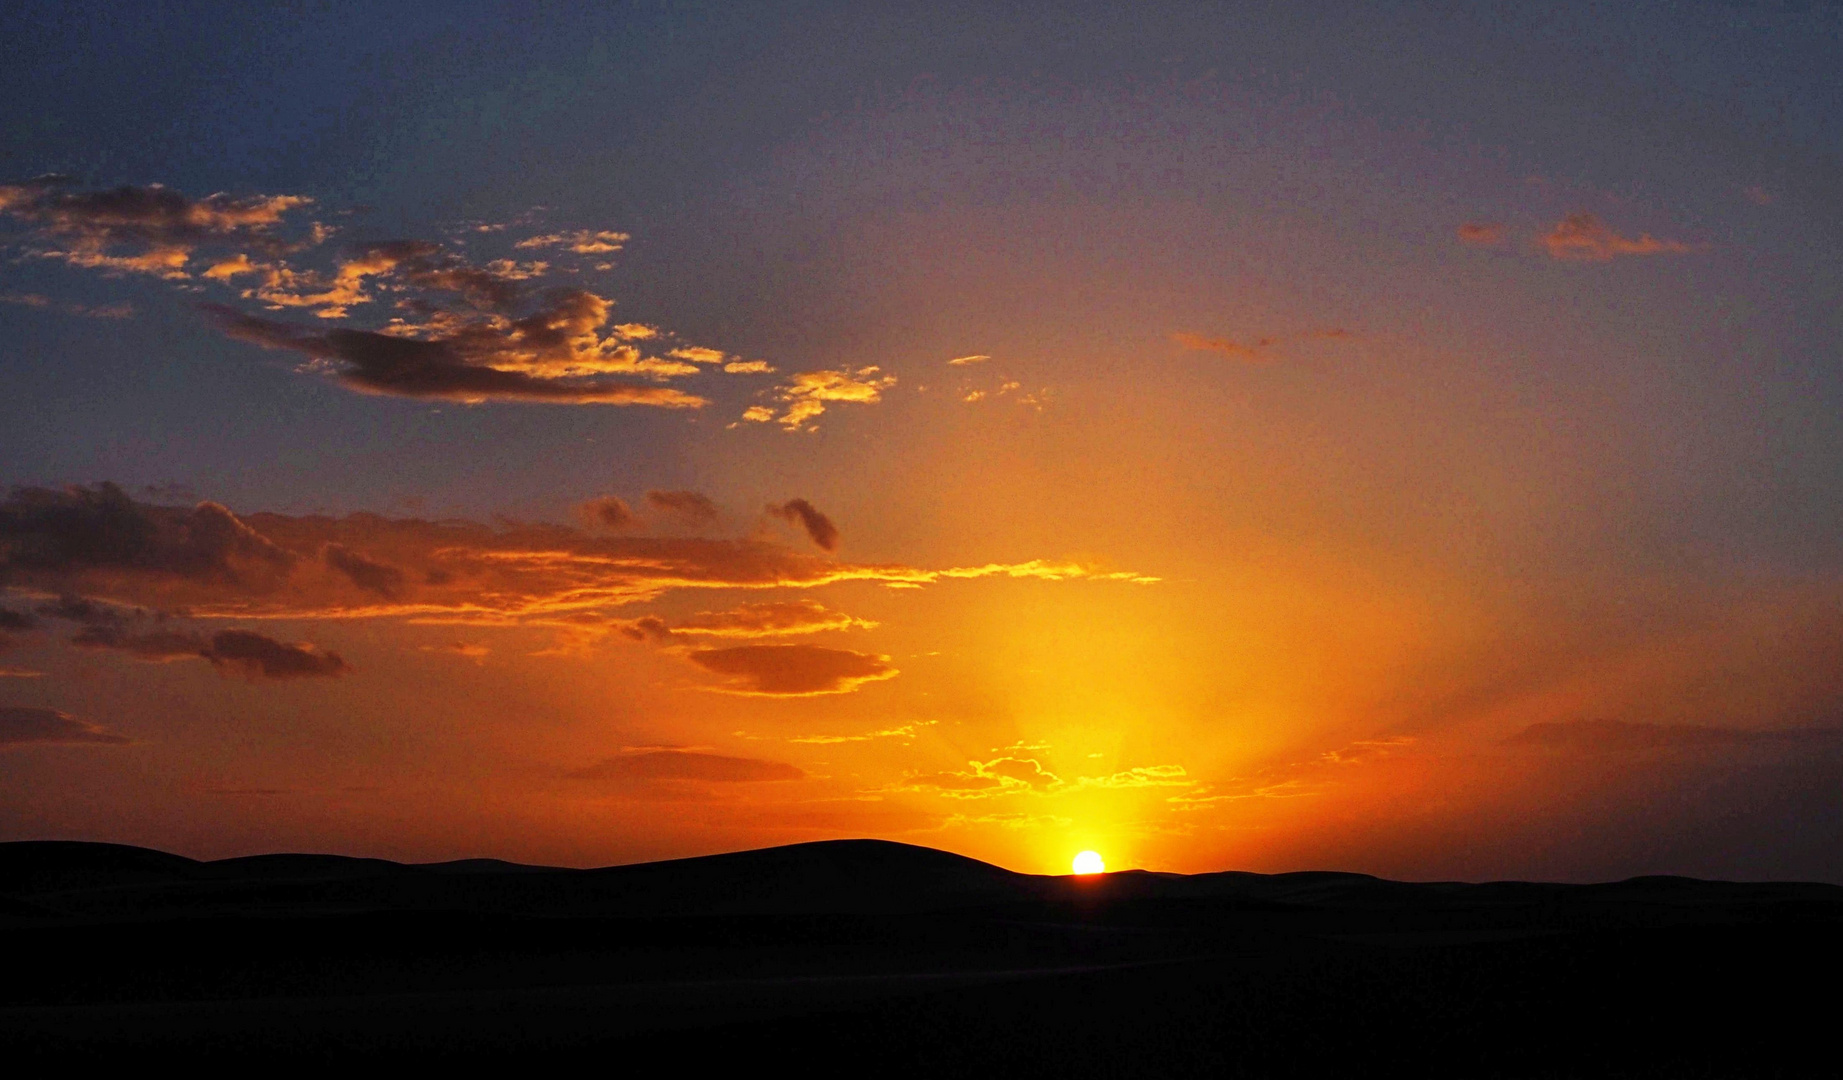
[(1215, 438)]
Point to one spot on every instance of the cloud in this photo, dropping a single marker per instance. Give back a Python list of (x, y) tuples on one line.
[(467, 649), (99, 544), (581, 241), (160, 227), (373, 577), (1584, 237), (609, 512), (1142, 776), (963, 361), (809, 392), (546, 359), (818, 527), (87, 311), (688, 508), (906, 731), (1364, 751), (240, 652), (1223, 346), (255, 656), (982, 779), (793, 670), (45, 533), (20, 673), (1482, 234), (25, 725), (1757, 195), (647, 763), (16, 620), (462, 328), (776, 619), (153, 645)]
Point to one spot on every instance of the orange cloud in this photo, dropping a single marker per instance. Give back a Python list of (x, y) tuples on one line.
[(983, 779), (99, 543), (809, 392), (1223, 346), (962, 361), (581, 241), (1584, 237), (1482, 234), (793, 670), (161, 226), (467, 330), (776, 619)]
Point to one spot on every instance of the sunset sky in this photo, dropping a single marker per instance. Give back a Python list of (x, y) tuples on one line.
[(1218, 436)]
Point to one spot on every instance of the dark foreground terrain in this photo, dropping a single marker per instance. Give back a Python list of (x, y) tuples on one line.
[(874, 959)]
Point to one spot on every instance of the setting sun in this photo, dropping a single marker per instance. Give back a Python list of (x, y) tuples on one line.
[(1089, 862)]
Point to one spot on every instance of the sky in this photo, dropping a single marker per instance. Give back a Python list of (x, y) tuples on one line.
[(1220, 436)]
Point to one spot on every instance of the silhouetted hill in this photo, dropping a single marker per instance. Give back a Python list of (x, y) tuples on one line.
[(899, 960), (834, 876)]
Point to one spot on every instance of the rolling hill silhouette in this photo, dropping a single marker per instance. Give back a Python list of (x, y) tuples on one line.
[(922, 960)]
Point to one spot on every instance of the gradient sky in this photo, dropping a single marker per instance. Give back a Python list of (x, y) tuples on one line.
[(1221, 436)]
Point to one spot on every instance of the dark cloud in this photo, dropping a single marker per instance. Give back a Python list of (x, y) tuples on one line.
[(794, 670), (425, 264), (373, 577), (16, 620), (77, 529), (257, 657), (158, 227), (23, 725), (688, 507), (609, 512), (447, 368), (241, 652), (672, 764), (96, 544), (81, 609), (146, 645), (807, 516)]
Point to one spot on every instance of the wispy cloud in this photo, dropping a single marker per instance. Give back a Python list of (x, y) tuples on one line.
[(963, 361), (86, 311), (1255, 351), (793, 670), (653, 764), (1584, 237), (25, 725), (1482, 234), (774, 619)]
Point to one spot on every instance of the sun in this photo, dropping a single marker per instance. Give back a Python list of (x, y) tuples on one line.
[(1089, 862)]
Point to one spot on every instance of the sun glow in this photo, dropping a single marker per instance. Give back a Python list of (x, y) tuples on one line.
[(1089, 862)]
